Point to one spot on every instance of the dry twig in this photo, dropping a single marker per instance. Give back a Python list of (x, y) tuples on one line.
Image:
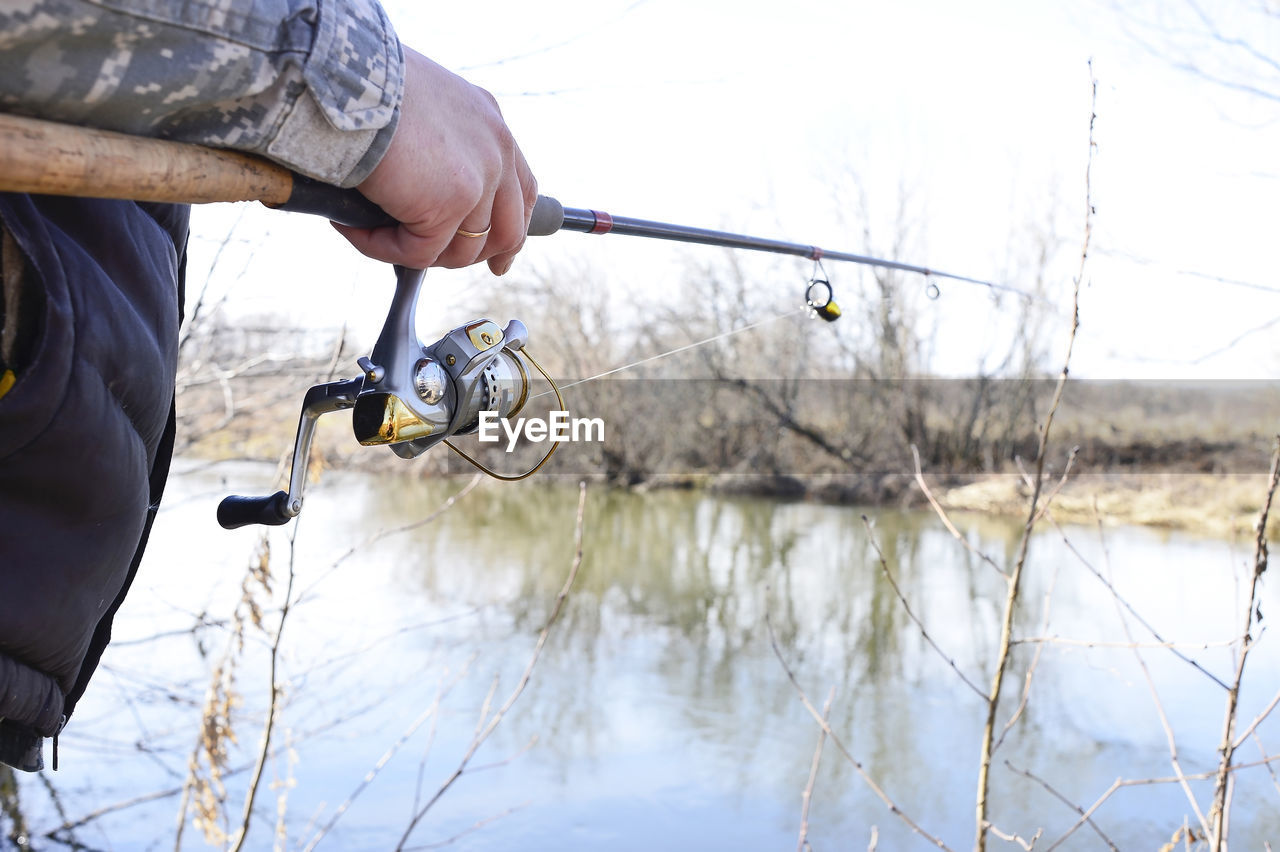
[(1035, 663), (884, 567), (476, 826), (1007, 837), (1121, 783), (486, 729), (1061, 798), (946, 520), (404, 528), (268, 727), (1170, 739), (1220, 811), (1115, 593), (840, 746), (203, 787), (807, 797), (429, 713), (1034, 507)]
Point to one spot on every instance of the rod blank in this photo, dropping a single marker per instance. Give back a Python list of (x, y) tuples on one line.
[(549, 216)]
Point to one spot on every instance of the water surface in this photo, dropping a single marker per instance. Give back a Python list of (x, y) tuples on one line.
[(659, 715)]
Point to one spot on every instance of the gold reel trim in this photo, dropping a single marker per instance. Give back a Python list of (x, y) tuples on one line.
[(554, 444)]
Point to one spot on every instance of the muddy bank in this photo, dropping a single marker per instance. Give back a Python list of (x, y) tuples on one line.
[(1157, 471), (1214, 504), (1225, 504)]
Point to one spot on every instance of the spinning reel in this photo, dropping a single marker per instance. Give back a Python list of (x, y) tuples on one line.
[(410, 397)]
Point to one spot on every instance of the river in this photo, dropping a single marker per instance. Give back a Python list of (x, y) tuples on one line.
[(658, 715)]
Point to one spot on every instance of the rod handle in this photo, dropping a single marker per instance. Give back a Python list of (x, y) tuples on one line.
[(344, 206), (547, 218), (350, 207), (272, 511)]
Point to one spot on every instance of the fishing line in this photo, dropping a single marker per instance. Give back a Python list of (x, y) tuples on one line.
[(677, 350), (821, 307)]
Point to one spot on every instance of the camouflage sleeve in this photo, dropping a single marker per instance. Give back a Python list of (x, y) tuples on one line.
[(313, 84)]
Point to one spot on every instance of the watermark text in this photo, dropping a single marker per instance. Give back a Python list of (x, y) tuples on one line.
[(557, 427)]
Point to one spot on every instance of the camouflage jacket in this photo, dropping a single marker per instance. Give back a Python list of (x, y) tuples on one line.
[(313, 84)]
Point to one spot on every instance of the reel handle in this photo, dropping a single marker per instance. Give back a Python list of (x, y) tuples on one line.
[(279, 508), (236, 511)]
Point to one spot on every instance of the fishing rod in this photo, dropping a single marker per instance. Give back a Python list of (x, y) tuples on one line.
[(549, 216), (60, 159), (410, 395)]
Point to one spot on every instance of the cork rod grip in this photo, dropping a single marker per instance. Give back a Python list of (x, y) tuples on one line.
[(50, 158)]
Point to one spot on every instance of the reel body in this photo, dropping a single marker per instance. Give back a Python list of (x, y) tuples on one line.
[(415, 396), (410, 397)]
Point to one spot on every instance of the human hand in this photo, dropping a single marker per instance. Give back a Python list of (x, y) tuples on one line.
[(452, 166)]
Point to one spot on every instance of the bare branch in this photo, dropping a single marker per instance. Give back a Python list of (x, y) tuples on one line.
[(946, 521), (1028, 845), (441, 691), (807, 797), (884, 567), (1098, 643), (840, 746), (1031, 669), (1115, 594), (1120, 783), (381, 534), (1170, 739), (1034, 510), (1258, 720), (1275, 782), (1220, 812), (1062, 481), (476, 826), (496, 719), (268, 726), (1061, 798)]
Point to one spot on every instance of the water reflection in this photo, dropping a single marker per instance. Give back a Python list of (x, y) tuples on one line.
[(662, 717), (674, 595)]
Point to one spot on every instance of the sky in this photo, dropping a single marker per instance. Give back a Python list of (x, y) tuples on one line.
[(847, 125)]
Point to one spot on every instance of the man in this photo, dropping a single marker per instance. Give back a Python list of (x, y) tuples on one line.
[(92, 289)]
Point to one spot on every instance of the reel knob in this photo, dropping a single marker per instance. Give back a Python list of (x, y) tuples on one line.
[(273, 511)]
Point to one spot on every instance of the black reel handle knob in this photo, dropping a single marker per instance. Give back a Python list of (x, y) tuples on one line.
[(272, 511)]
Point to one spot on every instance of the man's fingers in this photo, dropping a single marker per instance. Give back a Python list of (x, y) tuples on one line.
[(523, 197), (397, 245), (500, 264), (493, 229), (470, 238), (510, 221), (506, 218)]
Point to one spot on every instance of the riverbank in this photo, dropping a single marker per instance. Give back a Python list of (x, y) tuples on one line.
[(1213, 504), (1150, 467), (1222, 504)]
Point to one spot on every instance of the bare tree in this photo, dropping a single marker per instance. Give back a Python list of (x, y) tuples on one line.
[(1229, 43)]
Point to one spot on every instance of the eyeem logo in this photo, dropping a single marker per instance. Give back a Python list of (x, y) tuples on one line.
[(557, 427)]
